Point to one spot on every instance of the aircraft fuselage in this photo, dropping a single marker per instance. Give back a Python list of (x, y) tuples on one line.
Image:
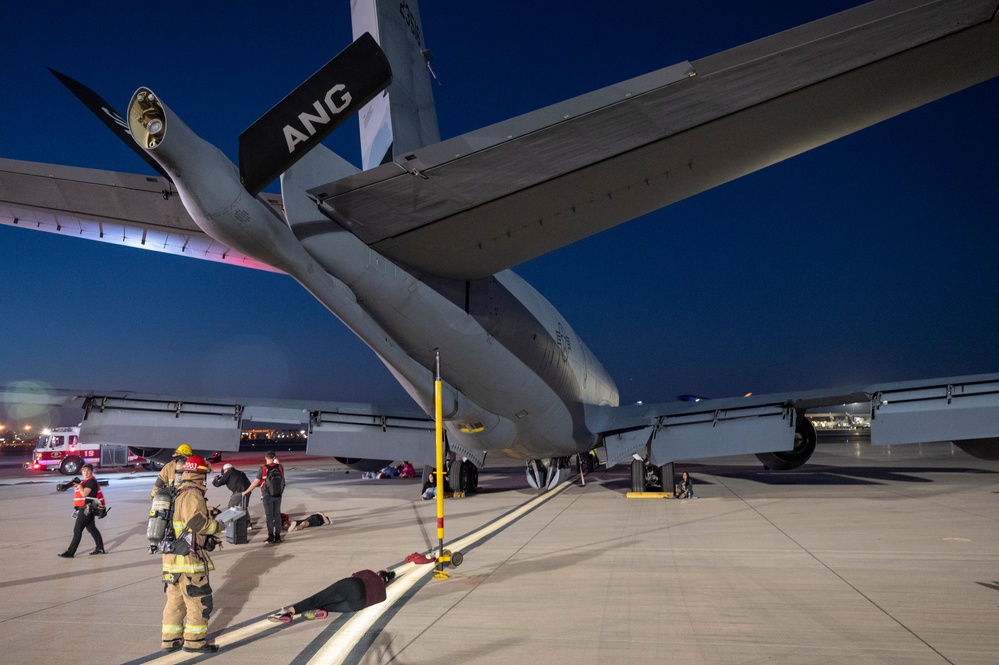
[(516, 375)]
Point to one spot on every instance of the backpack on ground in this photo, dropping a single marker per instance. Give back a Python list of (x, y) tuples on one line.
[(274, 481)]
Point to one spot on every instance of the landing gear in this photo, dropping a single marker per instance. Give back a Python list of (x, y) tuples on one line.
[(462, 476), (646, 476), (548, 473)]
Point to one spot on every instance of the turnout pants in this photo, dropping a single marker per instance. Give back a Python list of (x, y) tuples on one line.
[(188, 606)]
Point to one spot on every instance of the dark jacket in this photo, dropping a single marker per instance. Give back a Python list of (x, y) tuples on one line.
[(234, 480), (374, 586)]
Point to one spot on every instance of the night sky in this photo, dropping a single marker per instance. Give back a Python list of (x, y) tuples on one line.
[(871, 259)]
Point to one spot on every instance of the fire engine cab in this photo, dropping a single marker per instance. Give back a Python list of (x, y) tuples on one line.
[(60, 448)]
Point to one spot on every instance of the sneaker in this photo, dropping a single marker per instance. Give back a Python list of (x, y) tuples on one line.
[(206, 648), (315, 614), (280, 616)]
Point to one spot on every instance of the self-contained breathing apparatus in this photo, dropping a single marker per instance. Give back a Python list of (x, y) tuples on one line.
[(159, 530)]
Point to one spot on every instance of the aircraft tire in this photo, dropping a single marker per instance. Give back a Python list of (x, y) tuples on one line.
[(804, 446)]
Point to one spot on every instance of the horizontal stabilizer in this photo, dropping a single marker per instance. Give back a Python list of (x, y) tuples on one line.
[(309, 114)]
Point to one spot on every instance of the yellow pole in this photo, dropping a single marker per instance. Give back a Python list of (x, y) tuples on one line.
[(439, 421)]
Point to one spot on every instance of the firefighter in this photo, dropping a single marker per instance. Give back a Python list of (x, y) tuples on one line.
[(185, 576), (168, 474), (84, 491)]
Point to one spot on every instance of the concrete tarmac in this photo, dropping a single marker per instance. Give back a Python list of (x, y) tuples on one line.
[(862, 556)]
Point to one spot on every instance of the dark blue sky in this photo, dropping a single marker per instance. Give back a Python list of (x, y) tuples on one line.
[(870, 259)]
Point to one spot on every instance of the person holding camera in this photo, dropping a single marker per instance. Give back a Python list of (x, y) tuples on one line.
[(235, 481), (186, 563), (85, 493)]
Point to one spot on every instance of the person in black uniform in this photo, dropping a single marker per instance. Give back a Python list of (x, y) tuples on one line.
[(235, 481), (351, 594), (85, 492)]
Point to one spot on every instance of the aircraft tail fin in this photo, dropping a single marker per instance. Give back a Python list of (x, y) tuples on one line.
[(403, 118), (305, 117)]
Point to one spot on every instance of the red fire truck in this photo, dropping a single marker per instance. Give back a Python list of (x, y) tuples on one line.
[(61, 449)]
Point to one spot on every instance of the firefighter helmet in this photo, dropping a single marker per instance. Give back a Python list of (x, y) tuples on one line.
[(197, 464), (183, 449)]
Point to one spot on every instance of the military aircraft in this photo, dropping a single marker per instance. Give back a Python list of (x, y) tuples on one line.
[(413, 252)]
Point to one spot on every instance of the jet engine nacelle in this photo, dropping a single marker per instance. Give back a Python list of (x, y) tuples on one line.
[(157, 457), (363, 464), (804, 446), (987, 449)]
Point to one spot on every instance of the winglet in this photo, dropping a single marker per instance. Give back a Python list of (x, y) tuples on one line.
[(310, 113), (106, 114)]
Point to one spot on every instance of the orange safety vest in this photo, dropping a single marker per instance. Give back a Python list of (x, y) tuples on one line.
[(79, 501)]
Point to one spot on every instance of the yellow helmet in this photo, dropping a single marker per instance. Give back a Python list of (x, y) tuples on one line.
[(183, 449)]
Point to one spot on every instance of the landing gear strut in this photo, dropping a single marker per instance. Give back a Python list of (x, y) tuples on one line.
[(548, 473)]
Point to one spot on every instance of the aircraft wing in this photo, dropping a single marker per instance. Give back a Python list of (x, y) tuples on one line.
[(121, 208), (474, 205), (962, 409), (364, 431)]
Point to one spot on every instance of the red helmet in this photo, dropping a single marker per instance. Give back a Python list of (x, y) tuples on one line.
[(196, 464)]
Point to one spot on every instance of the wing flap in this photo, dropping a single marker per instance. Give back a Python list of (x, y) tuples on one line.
[(161, 424), (717, 432), (942, 409), (341, 429), (373, 437), (955, 410)]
